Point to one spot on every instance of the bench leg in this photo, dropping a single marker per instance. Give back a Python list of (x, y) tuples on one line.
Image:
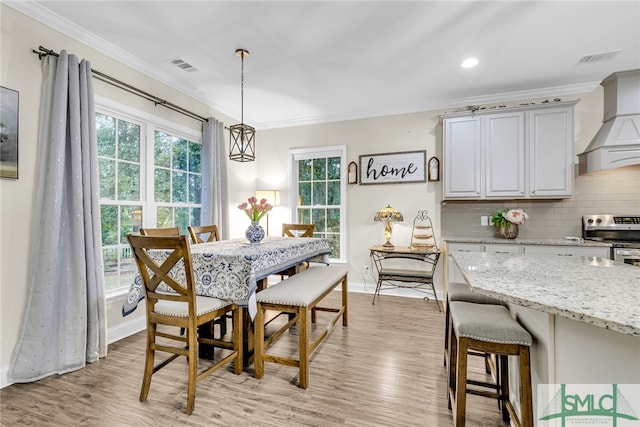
[(258, 350), (303, 332)]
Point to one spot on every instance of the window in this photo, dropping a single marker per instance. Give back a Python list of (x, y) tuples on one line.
[(177, 181), (138, 191), (318, 176)]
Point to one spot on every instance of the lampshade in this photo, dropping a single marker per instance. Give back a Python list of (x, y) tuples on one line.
[(272, 196), (388, 215)]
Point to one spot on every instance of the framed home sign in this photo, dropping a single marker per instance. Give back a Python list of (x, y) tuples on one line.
[(393, 168), (8, 133)]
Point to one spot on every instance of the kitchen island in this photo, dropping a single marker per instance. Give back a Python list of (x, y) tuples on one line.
[(583, 313)]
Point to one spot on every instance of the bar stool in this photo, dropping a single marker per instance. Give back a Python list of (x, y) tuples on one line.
[(462, 292), (489, 329)]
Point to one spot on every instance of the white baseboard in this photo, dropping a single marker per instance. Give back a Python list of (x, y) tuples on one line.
[(125, 329), (4, 376)]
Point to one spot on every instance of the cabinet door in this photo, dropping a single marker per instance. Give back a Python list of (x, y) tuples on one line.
[(551, 152), (452, 270), (568, 251), (504, 249), (462, 158), (504, 155)]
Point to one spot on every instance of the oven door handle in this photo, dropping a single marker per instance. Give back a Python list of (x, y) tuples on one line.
[(633, 253)]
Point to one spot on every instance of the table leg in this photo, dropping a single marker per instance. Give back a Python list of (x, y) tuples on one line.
[(247, 338)]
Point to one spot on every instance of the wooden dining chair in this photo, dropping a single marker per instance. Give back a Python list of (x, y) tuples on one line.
[(196, 232), (298, 230), (295, 230), (169, 231), (172, 301)]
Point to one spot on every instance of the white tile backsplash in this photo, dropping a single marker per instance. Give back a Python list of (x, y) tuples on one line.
[(615, 192)]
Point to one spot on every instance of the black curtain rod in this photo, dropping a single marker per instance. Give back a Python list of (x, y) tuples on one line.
[(43, 52)]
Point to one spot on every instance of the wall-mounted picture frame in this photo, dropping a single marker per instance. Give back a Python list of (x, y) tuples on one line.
[(352, 173), (393, 168), (434, 169), (9, 113)]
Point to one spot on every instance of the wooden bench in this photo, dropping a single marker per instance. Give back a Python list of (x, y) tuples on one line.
[(298, 295)]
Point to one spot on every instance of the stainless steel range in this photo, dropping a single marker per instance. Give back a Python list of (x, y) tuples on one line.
[(623, 232)]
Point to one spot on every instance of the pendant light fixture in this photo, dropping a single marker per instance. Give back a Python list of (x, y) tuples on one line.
[(242, 137)]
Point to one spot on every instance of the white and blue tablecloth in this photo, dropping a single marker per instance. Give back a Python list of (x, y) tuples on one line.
[(229, 269)]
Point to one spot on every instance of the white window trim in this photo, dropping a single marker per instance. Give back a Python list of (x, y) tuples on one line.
[(296, 154), (116, 109)]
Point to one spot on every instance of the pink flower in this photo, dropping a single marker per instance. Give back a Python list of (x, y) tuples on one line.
[(254, 210)]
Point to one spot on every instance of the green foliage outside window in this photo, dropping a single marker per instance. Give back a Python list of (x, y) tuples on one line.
[(177, 186), (319, 188)]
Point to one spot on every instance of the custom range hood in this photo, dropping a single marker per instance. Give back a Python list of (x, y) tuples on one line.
[(617, 143)]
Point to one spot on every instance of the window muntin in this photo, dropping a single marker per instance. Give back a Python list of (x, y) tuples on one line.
[(177, 181), (119, 170), (318, 178), (173, 177)]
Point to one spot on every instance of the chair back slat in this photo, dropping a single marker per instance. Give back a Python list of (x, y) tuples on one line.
[(196, 232), (169, 231), (298, 230), (156, 257)]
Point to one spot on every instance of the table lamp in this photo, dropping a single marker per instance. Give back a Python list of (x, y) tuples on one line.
[(273, 198), (388, 215)]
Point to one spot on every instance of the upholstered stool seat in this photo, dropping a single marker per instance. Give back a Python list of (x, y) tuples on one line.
[(491, 329), (462, 292)]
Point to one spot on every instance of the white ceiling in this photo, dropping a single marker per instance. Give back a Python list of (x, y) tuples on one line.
[(314, 62)]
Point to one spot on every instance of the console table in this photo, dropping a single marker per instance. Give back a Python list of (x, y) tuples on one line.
[(401, 265)]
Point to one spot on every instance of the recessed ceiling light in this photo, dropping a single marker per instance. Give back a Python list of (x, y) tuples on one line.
[(469, 63)]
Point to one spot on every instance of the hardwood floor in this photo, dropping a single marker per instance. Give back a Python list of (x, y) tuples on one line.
[(384, 369)]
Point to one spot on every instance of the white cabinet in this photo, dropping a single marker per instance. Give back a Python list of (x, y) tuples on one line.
[(504, 155), (568, 251), (504, 249), (453, 273), (462, 157), (511, 153), (550, 152)]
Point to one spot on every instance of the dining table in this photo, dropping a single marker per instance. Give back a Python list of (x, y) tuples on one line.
[(235, 270)]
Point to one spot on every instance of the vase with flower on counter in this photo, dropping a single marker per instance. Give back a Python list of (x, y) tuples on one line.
[(255, 210), (508, 222)]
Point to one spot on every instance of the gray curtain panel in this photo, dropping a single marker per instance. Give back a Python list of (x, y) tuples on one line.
[(215, 190), (64, 324)]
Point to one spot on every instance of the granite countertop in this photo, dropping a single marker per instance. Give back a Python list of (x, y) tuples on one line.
[(591, 290), (519, 241)]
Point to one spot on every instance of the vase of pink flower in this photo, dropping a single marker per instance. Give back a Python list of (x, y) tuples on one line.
[(255, 211), (508, 222)]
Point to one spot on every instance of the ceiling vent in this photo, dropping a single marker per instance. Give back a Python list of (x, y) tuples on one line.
[(183, 65), (598, 57)]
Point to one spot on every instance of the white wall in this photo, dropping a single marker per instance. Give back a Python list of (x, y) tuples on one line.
[(379, 135), (20, 70)]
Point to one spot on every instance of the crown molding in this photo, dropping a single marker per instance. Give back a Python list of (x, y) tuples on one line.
[(59, 23), (498, 98)]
